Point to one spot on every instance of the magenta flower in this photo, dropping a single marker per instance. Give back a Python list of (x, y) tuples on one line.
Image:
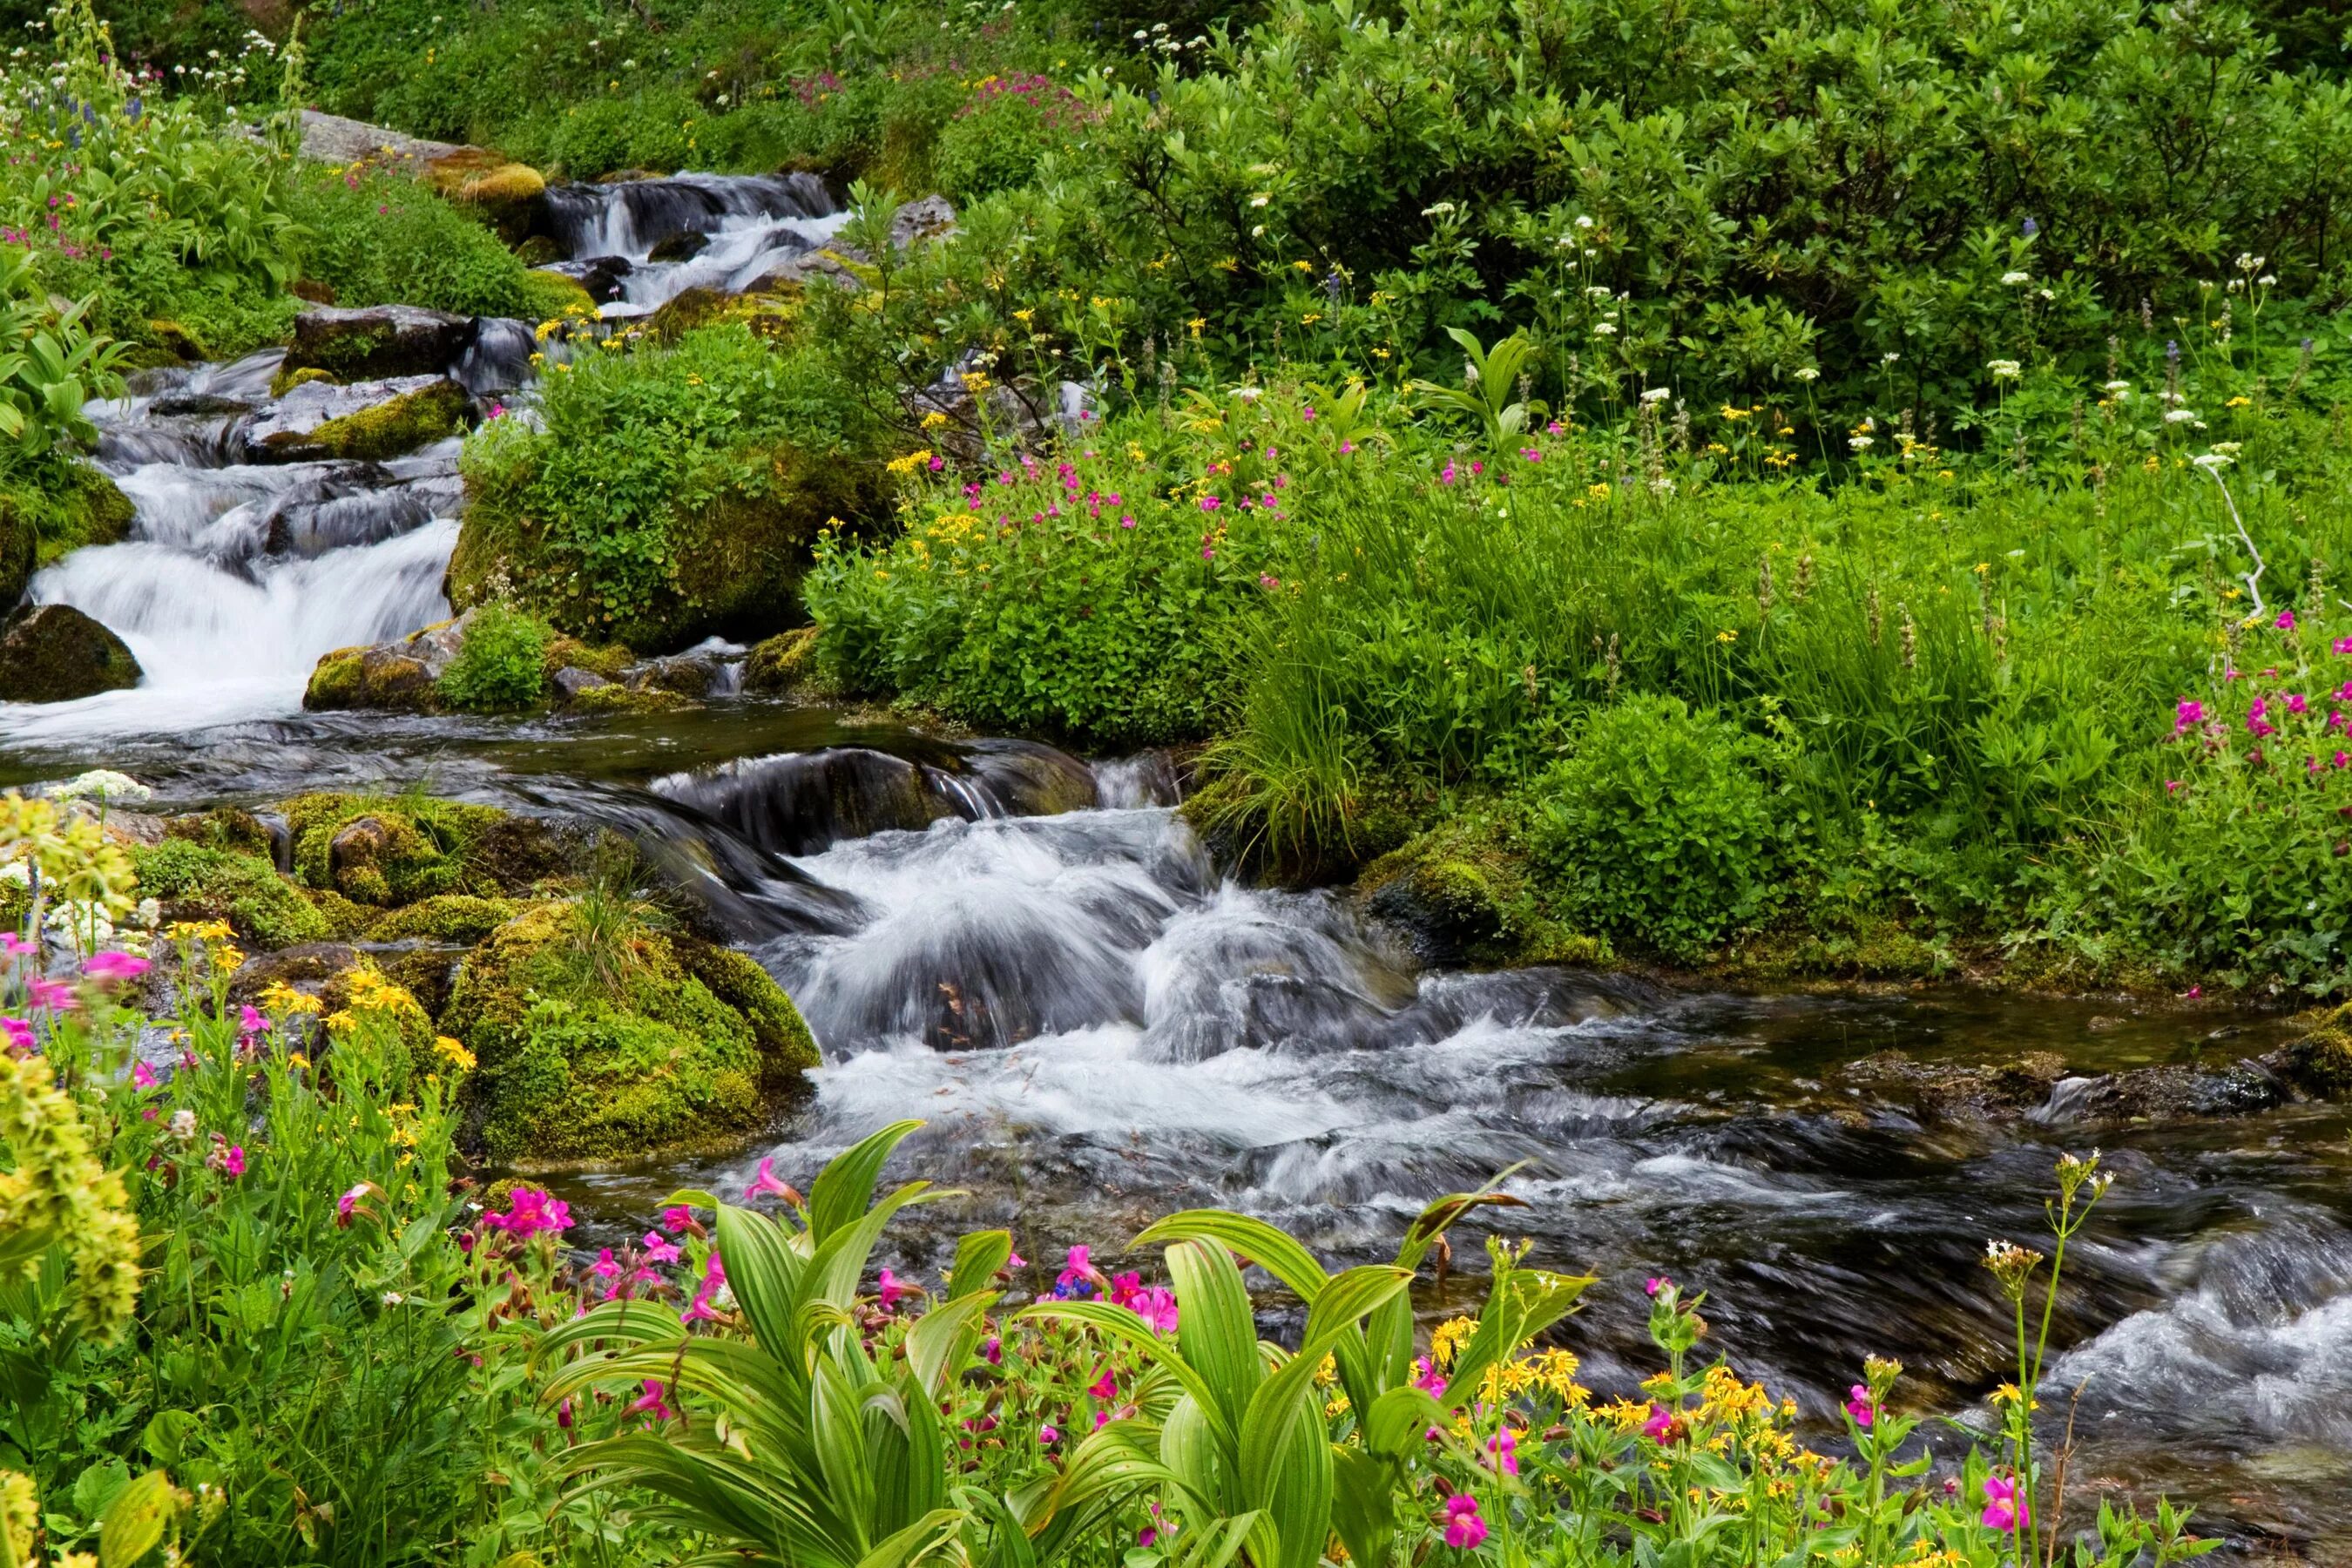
[(698, 1311), (2295, 704), (652, 1402), (2285, 621), (1658, 1282), (1211, 503), (1503, 1448), (606, 1266), (348, 1202), (1445, 475), (1307, 413), (2188, 714), (767, 1183), (142, 1076), (18, 1032), (2340, 644), (2005, 1509), (1347, 448), (676, 1218), (16, 946), (1105, 1386), (1858, 1406), (1126, 522), (531, 1211), (1156, 1307), (895, 1289), (1429, 1381), (1661, 1422), (234, 1161), (1048, 1434), (52, 996), (657, 1249), (992, 1353), (109, 967), (1464, 1529)]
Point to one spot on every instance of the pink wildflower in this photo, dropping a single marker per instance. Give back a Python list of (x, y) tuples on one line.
[(2005, 1510), (767, 1183), (109, 967), (652, 1402), (657, 1249), (1858, 1406), (234, 1161), (142, 1076), (18, 1032), (1464, 1529)]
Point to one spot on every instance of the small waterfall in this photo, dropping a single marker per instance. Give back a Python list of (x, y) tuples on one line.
[(235, 578), (749, 225)]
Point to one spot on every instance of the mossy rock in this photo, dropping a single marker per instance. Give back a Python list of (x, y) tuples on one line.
[(338, 682), (195, 881), (383, 852), (445, 917), (512, 198), (62, 510), (225, 828), (552, 295), (771, 316), (289, 377), (54, 653), (538, 251), (738, 554), (391, 428), (614, 698), (569, 653), (781, 663), (2321, 1060), (177, 341), (1464, 893), (596, 1043), (787, 1049)]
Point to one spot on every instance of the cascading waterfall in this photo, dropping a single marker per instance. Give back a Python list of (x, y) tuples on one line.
[(748, 229)]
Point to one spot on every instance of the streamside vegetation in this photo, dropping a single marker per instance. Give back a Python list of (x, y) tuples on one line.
[(254, 1306)]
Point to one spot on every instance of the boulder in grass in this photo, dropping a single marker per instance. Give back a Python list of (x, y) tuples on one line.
[(54, 653), (376, 342)]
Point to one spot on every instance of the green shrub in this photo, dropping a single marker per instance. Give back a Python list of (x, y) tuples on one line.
[(503, 663), (380, 238), (1659, 826), (996, 140)]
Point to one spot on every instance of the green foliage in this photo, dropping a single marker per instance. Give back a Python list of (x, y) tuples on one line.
[(502, 664), (380, 238), (1659, 826), (673, 491)]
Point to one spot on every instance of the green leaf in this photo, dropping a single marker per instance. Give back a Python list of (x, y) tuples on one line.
[(843, 1189), (135, 1519)]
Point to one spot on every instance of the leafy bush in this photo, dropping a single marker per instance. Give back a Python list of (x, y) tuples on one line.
[(672, 492), (380, 238), (996, 140), (1660, 827), (502, 664)]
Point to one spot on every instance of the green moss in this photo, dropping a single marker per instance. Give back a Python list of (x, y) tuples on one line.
[(288, 379), (227, 828), (1464, 893), (551, 296), (50, 509), (389, 429), (337, 682), (381, 851), (2321, 1060), (571, 653), (786, 1046), (201, 883), (619, 699), (782, 662), (445, 917), (596, 1043)]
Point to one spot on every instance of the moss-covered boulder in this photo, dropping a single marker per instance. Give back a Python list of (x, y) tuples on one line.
[(54, 653), (319, 421), (445, 917), (1463, 893), (597, 1040), (44, 523), (377, 342), (384, 852), (781, 663), (512, 198), (196, 882), (2320, 1060)]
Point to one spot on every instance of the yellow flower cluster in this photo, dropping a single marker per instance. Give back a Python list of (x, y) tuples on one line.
[(455, 1054), (907, 465), (282, 999)]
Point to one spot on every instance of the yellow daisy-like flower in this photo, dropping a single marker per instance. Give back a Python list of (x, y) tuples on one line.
[(455, 1054)]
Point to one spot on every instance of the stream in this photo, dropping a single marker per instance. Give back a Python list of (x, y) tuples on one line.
[(1100, 1026)]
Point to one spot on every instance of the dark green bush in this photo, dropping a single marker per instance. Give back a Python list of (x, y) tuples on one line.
[(1659, 827)]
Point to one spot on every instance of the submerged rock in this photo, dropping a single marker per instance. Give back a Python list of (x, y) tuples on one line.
[(599, 1039), (368, 420), (377, 343), (684, 245), (54, 653)]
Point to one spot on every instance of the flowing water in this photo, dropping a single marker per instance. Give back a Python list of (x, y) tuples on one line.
[(1037, 957)]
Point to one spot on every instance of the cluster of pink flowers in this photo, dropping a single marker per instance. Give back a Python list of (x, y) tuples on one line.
[(530, 1211), (714, 1279), (1058, 108)]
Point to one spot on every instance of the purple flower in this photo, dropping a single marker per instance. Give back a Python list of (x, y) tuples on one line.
[(348, 1202), (1429, 1381), (2189, 714), (18, 1032), (1660, 1424), (676, 1219), (658, 1250), (1503, 1447), (895, 1289), (2295, 704), (1049, 1435), (249, 1022), (2285, 621), (1858, 1406), (767, 1183), (1658, 1282), (652, 1402)]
